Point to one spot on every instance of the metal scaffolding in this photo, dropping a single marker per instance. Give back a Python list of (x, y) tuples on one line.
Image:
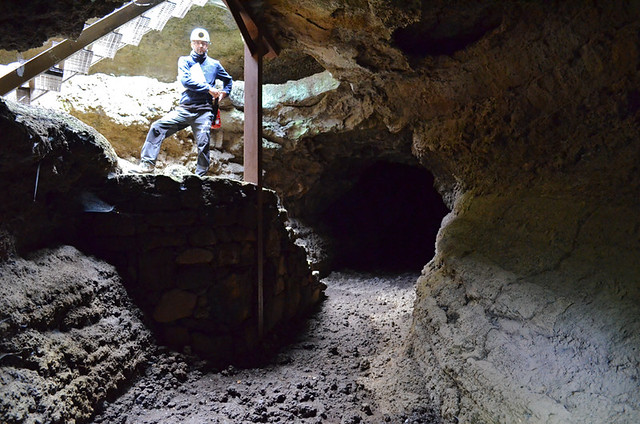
[(108, 45), (102, 39), (160, 15), (79, 62), (181, 8), (49, 80), (133, 31)]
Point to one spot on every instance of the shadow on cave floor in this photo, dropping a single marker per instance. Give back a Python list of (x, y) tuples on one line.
[(387, 222), (338, 368)]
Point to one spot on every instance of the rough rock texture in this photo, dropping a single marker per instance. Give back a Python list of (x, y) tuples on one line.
[(341, 368), (305, 123), (69, 336), (305, 157), (46, 160), (30, 24), (122, 108), (546, 91), (531, 307), (192, 243), (527, 113)]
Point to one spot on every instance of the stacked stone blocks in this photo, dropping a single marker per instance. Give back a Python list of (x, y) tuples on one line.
[(187, 250)]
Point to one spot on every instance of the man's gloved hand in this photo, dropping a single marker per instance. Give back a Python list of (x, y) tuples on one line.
[(217, 94)]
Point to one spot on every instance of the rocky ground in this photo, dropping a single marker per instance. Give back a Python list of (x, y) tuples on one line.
[(342, 367)]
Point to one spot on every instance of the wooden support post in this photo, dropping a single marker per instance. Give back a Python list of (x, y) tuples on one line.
[(253, 155), (252, 116)]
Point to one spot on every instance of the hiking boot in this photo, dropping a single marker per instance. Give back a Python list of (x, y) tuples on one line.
[(144, 168)]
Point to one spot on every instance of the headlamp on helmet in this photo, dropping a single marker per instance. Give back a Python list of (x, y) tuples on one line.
[(200, 34)]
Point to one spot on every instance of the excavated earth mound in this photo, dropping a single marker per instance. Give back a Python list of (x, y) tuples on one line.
[(69, 336)]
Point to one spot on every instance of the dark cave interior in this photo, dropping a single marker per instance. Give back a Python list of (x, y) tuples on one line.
[(388, 220), (449, 33)]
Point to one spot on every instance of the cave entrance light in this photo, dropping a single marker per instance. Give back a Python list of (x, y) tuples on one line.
[(98, 40), (60, 51)]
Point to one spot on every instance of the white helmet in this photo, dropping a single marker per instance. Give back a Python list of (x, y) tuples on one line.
[(200, 34)]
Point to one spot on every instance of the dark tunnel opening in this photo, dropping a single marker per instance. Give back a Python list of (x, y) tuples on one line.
[(388, 221)]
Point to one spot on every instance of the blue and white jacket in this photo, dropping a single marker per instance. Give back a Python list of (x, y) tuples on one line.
[(197, 92)]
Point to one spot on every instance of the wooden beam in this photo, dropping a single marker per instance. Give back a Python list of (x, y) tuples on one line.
[(252, 116), (257, 44), (253, 32), (253, 157), (66, 48), (235, 8)]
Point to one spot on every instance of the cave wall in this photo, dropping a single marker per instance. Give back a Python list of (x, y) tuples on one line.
[(527, 113), (47, 160), (546, 94), (19, 20), (531, 307), (70, 337)]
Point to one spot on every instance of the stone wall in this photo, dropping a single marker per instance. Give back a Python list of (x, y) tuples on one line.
[(186, 248)]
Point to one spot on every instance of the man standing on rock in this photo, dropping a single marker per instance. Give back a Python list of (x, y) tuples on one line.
[(197, 73)]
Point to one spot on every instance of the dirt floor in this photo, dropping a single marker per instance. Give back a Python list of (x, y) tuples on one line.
[(344, 366)]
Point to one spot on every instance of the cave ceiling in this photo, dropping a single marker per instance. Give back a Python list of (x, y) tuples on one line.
[(530, 94)]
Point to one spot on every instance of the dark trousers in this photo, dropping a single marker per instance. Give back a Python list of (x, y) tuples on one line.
[(173, 122)]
